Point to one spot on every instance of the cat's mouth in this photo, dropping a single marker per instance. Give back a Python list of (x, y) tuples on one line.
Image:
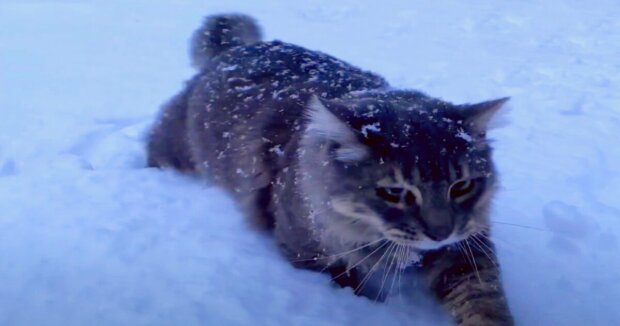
[(420, 241)]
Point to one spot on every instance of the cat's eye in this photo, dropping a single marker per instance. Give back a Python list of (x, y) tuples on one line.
[(463, 189), (390, 194)]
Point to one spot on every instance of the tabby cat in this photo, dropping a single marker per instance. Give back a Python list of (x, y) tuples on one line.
[(351, 176)]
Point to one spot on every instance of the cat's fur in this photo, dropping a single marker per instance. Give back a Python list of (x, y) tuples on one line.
[(353, 177)]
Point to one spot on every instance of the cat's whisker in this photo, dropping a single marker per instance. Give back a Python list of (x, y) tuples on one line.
[(522, 226), (463, 252), (339, 255), (394, 275), (396, 266), (386, 272), (466, 251), (481, 246), (499, 241), (348, 270), (343, 254), (473, 260), (401, 271), (484, 232), (366, 278), (460, 247)]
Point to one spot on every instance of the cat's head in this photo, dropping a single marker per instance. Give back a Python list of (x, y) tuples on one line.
[(398, 165)]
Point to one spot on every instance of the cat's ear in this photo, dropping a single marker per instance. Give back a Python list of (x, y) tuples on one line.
[(324, 124), (483, 116)]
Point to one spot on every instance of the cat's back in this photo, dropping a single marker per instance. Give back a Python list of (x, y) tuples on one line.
[(249, 100), (277, 66), (268, 75)]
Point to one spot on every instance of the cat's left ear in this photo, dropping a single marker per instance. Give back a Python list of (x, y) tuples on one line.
[(481, 117), (325, 124)]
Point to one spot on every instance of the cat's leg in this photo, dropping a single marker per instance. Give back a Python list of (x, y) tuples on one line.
[(467, 283), (167, 145), (256, 206)]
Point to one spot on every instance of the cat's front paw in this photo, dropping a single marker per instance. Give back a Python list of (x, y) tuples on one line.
[(485, 319)]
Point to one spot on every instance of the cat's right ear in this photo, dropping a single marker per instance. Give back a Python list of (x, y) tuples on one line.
[(323, 123), (481, 117)]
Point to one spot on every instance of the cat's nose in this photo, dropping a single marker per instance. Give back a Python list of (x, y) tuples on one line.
[(438, 233)]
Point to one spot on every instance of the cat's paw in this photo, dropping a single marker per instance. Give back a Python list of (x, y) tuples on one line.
[(485, 319)]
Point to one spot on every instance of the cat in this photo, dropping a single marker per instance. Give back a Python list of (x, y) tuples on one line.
[(350, 175)]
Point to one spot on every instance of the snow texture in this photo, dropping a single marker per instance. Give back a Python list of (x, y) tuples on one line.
[(88, 236)]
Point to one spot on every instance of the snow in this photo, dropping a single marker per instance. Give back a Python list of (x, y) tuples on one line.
[(230, 68), (90, 236), (374, 127), (463, 135)]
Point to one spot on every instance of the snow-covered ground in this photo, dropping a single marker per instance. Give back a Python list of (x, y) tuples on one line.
[(88, 236)]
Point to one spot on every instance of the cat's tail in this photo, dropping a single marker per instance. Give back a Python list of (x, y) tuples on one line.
[(219, 33)]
